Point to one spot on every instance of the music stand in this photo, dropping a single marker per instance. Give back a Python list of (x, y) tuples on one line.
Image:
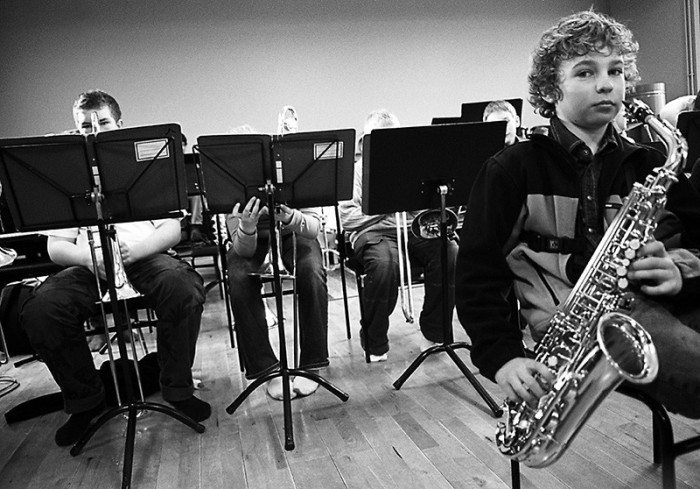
[(437, 165), (95, 180), (301, 170), (447, 120)]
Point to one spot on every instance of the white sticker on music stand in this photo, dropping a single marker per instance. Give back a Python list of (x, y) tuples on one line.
[(328, 151), (153, 149)]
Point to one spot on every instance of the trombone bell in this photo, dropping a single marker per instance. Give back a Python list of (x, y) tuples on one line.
[(426, 225), (121, 282)]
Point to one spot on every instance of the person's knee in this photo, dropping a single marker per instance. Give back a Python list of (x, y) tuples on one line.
[(311, 270), (183, 287), (39, 317)]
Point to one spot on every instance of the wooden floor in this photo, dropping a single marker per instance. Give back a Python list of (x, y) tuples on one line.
[(435, 432)]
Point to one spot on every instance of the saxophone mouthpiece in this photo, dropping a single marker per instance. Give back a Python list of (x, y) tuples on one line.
[(638, 110)]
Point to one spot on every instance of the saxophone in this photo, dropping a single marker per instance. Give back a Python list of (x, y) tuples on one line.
[(590, 347)]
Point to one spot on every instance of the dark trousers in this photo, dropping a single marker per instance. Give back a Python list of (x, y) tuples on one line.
[(249, 310), (378, 253), (675, 331), (54, 319)]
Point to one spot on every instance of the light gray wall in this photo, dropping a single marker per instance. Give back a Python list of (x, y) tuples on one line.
[(211, 65), (658, 26)]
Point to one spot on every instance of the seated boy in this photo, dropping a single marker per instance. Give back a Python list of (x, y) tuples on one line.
[(374, 241), (55, 314), (539, 209), (250, 235)]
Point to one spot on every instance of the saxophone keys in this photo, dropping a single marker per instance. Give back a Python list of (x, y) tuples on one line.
[(621, 271), (630, 254), (623, 283), (635, 244)]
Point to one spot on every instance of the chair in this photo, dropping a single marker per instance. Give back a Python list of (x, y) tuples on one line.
[(193, 251), (665, 449), (133, 306), (340, 251)]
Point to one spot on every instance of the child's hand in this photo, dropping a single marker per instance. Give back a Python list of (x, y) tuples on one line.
[(284, 214), (250, 214), (654, 271), (524, 379)]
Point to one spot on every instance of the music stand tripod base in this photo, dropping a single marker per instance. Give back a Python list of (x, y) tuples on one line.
[(448, 345), (286, 400)]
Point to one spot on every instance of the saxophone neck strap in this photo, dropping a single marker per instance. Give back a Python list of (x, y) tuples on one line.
[(552, 244)]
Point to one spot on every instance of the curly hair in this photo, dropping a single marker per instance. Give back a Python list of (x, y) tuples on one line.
[(577, 35), (95, 99)]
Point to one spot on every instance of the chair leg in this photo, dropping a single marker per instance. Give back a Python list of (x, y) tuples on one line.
[(219, 278), (363, 328), (515, 474), (664, 451), (345, 298)]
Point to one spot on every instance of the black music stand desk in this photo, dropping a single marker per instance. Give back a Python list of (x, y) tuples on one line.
[(437, 165), (300, 170)]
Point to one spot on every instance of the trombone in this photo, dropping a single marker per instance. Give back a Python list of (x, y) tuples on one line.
[(405, 278), (425, 225), (124, 291)]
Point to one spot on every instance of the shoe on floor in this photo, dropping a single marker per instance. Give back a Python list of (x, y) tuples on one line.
[(274, 389), (304, 387), (378, 358), (193, 407), (73, 429)]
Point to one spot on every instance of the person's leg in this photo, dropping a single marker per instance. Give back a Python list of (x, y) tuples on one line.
[(312, 293), (176, 294), (249, 313), (428, 254), (379, 257), (53, 318), (677, 342)]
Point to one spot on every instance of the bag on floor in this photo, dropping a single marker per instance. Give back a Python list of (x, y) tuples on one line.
[(150, 378)]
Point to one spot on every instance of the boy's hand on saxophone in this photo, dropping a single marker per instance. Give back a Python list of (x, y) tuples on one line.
[(654, 272)]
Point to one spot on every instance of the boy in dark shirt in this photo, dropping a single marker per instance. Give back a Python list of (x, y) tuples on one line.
[(539, 209)]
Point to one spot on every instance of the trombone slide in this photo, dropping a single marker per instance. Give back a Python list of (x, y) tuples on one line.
[(405, 279)]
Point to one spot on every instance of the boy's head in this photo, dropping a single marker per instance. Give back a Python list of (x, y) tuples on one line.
[(578, 35), (501, 110), (377, 119), (103, 105)]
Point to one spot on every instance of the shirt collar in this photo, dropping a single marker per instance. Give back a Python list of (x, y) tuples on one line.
[(577, 148)]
